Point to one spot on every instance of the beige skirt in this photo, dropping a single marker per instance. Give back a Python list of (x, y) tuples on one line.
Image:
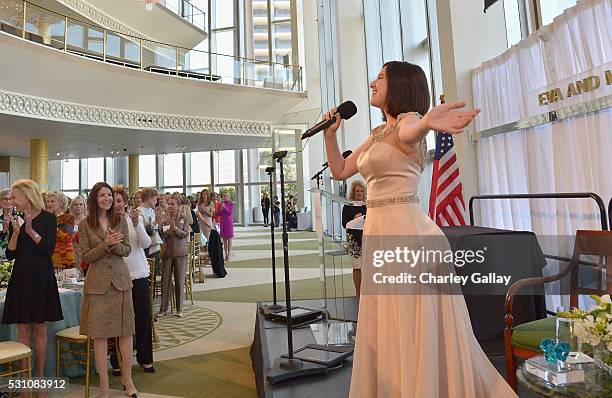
[(108, 315)]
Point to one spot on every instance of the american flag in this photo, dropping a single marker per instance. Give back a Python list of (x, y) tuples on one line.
[(446, 206)]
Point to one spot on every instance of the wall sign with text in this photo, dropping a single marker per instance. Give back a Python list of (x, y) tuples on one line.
[(588, 85)]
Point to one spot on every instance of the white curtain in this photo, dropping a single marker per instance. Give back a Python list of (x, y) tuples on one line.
[(572, 155)]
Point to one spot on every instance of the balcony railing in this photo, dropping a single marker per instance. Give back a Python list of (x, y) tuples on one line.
[(38, 24), (187, 11)]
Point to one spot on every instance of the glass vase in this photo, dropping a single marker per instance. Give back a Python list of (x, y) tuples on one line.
[(603, 357)]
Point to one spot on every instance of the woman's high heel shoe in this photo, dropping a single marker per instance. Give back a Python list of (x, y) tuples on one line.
[(132, 394)]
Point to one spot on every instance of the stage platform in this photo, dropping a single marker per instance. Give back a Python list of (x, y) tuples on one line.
[(270, 342)]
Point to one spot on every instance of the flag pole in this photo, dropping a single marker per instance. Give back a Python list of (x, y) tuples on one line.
[(434, 187)]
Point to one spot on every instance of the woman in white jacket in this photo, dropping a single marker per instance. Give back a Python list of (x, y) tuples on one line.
[(139, 271)]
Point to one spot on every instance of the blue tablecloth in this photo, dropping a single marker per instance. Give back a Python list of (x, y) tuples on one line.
[(71, 308)]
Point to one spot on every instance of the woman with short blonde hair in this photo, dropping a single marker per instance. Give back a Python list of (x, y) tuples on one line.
[(60, 198), (351, 212), (78, 207), (31, 191), (175, 231), (32, 298), (6, 209), (354, 185), (64, 255)]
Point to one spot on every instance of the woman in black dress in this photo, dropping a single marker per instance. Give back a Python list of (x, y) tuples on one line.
[(32, 298)]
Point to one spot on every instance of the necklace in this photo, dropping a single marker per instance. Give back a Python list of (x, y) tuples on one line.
[(382, 132)]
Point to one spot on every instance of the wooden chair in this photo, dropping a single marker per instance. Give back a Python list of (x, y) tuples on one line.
[(152, 296), (72, 336), (523, 341), (10, 352), (196, 256), (190, 270)]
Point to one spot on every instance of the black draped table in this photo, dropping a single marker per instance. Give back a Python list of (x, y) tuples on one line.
[(513, 253)]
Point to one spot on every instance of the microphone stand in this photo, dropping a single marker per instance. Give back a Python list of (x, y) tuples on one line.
[(274, 307), (319, 177), (308, 361)]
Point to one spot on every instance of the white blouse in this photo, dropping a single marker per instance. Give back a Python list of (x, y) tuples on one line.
[(139, 240)]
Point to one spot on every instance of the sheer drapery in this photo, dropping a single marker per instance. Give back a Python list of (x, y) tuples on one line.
[(572, 155)]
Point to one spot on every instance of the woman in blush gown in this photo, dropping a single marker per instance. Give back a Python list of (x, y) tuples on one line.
[(417, 343)]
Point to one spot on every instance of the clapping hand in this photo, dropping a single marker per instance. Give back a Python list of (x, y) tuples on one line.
[(28, 225), (172, 224), (15, 223), (112, 237), (159, 215), (134, 215), (447, 118)]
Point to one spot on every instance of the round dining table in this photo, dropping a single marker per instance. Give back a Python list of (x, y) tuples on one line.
[(71, 300)]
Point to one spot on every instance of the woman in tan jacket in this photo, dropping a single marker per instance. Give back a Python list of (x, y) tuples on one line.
[(107, 307), (175, 231)]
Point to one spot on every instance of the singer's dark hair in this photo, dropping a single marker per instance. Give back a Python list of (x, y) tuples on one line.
[(407, 89)]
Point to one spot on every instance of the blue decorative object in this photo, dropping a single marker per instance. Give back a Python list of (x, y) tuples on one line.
[(555, 350)]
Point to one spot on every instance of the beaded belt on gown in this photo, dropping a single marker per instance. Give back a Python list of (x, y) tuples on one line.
[(405, 197)]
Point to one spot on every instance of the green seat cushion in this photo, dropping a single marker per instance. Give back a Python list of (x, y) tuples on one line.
[(529, 335)]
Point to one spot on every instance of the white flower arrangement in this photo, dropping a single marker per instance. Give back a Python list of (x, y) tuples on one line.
[(593, 326)]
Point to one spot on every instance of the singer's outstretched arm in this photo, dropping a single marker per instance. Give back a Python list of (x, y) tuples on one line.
[(445, 117)]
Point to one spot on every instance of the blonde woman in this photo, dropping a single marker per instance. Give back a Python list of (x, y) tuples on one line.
[(64, 255), (77, 209), (205, 212), (6, 210), (175, 231), (185, 212), (32, 298), (353, 236)]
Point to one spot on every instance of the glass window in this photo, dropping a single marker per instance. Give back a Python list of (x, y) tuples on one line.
[(173, 5), (513, 21), (281, 32), (95, 171), (200, 168), (70, 174), (259, 35), (147, 171), (282, 9), (550, 9), (173, 170), (197, 59), (255, 163), (225, 167), (224, 14), (195, 190), (226, 66)]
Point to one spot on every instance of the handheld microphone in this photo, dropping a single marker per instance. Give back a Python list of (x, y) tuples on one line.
[(346, 110)]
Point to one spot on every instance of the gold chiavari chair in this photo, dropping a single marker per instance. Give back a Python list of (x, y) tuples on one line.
[(197, 257), (10, 352), (152, 296), (190, 270)]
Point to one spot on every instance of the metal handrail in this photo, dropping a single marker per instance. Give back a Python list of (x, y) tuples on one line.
[(180, 13), (565, 195), (137, 39)]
